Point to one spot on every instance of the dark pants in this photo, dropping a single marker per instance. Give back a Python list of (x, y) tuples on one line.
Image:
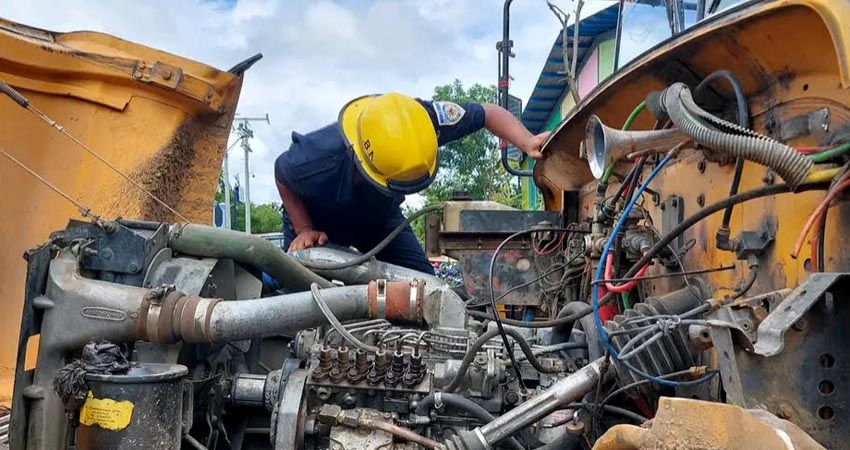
[(404, 250)]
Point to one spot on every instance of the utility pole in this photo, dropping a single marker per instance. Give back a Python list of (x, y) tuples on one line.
[(245, 133), (227, 218)]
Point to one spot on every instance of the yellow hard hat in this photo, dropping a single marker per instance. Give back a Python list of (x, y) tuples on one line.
[(393, 141)]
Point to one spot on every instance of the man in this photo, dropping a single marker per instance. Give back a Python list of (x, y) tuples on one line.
[(344, 183)]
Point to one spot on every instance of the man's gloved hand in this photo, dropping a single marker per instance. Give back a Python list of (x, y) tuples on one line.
[(307, 238), (533, 147)]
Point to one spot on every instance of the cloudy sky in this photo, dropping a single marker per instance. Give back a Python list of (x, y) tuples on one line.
[(319, 54)]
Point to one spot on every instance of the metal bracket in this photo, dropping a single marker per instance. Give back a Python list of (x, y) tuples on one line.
[(672, 214), (722, 339), (771, 332), (814, 123)]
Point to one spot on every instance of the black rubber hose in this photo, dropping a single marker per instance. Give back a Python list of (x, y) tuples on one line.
[(479, 343), (467, 359), (459, 402), (764, 191), (743, 118), (608, 408), (751, 280), (371, 253), (544, 323), (738, 141), (565, 441)]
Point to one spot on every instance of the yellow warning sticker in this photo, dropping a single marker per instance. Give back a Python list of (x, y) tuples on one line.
[(106, 413)]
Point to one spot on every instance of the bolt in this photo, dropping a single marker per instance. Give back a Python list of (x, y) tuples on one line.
[(323, 393), (769, 177), (701, 200), (387, 415), (166, 74), (784, 410), (480, 359), (801, 324), (511, 397), (133, 267), (701, 166)]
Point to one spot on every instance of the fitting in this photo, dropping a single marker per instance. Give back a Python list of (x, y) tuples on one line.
[(167, 316), (396, 300)]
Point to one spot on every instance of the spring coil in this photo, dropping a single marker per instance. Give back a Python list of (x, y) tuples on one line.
[(791, 166)]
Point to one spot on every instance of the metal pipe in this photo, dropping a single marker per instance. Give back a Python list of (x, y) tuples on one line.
[(561, 393), (505, 81), (248, 319), (210, 242), (403, 433), (361, 273)]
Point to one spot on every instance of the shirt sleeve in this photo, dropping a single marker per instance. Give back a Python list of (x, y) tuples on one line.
[(453, 121)]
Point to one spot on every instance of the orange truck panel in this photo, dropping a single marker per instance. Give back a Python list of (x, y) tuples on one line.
[(161, 119)]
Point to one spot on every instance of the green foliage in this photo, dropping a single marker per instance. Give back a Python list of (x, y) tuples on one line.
[(471, 164), (265, 218)]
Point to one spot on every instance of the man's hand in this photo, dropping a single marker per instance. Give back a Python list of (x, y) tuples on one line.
[(533, 147), (306, 239)]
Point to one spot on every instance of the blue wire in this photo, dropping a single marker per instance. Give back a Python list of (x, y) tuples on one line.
[(595, 293)]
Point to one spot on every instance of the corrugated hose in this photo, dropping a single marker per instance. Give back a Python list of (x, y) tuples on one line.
[(738, 141)]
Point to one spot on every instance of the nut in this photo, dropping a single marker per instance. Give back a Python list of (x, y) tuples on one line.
[(350, 418), (329, 414)]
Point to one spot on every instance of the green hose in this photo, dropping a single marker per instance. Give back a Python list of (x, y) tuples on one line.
[(626, 302), (627, 125), (210, 242), (629, 120), (829, 154)]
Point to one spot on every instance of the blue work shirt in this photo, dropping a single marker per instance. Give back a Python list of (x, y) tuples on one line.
[(320, 168)]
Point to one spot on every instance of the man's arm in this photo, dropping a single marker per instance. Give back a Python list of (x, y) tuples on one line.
[(305, 235), (505, 125)]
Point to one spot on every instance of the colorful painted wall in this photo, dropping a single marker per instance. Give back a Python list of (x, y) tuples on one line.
[(597, 66)]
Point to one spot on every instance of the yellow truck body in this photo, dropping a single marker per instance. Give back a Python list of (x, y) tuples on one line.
[(161, 119)]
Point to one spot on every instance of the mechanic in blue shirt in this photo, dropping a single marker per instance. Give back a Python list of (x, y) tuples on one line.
[(344, 183)]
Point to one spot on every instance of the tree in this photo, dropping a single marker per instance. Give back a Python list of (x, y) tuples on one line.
[(471, 164)]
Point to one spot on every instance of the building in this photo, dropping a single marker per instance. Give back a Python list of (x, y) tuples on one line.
[(601, 50)]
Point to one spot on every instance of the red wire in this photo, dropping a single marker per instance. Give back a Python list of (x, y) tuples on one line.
[(814, 241), (555, 247), (634, 166), (627, 286), (815, 214), (810, 150)]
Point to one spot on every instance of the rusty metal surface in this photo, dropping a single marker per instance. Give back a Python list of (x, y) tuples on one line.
[(807, 382), (159, 118), (686, 424)]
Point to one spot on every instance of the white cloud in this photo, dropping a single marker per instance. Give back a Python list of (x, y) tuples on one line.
[(317, 54)]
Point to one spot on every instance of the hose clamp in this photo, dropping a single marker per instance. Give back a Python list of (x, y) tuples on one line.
[(381, 299), (438, 401), (414, 295), (481, 438)]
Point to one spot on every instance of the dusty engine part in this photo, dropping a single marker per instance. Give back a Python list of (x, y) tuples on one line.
[(794, 341), (141, 409), (687, 423)]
